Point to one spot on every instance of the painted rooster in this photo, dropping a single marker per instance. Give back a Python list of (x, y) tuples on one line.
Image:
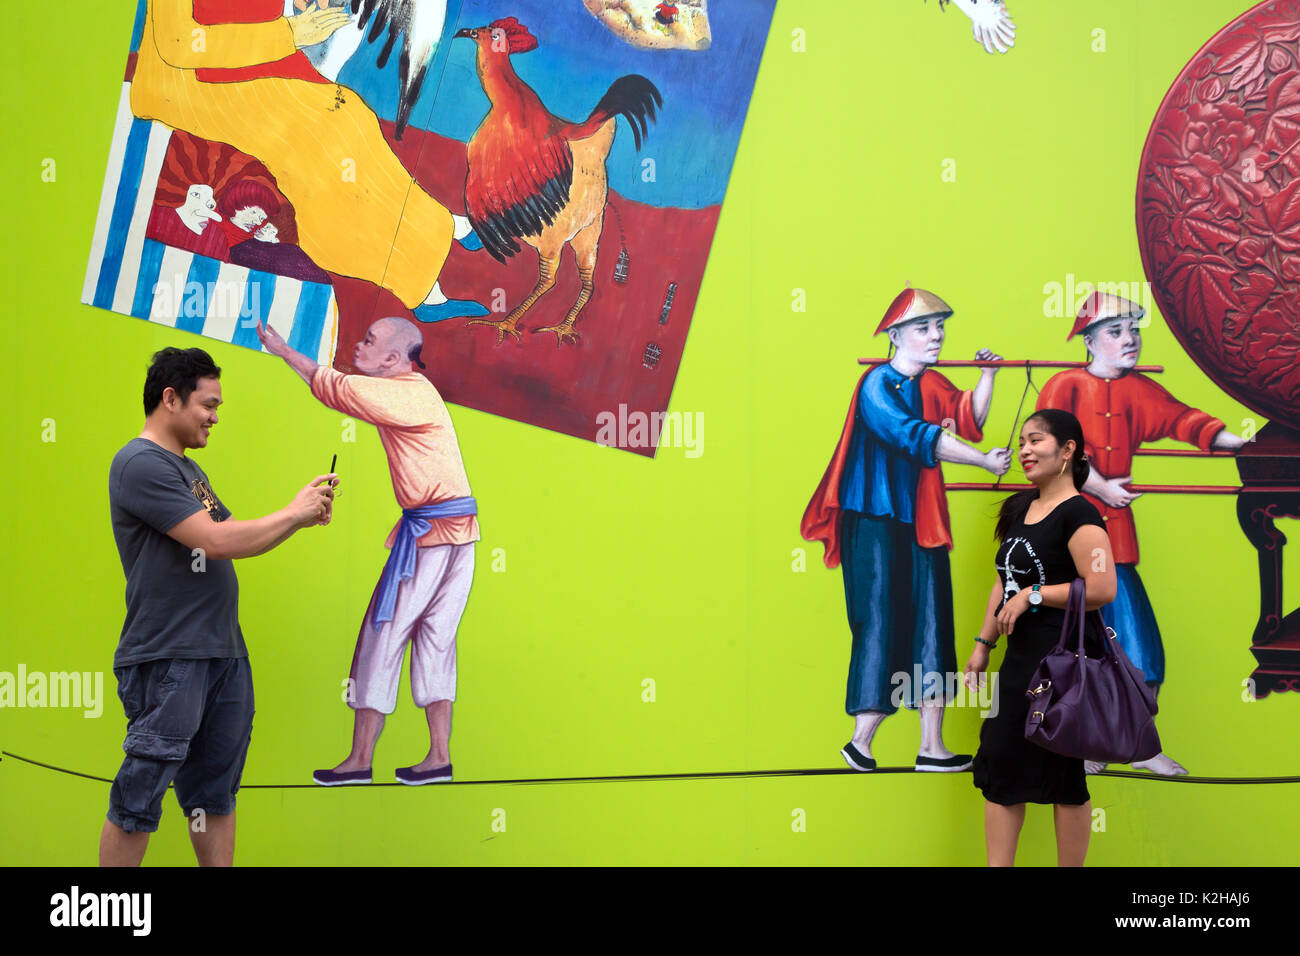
[(538, 178)]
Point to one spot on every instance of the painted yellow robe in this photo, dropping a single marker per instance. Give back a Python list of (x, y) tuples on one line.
[(359, 212)]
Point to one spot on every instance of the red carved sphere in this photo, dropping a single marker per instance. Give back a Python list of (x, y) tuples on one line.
[(1218, 209)]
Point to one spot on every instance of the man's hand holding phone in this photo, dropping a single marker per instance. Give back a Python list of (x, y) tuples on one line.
[(315, 503)]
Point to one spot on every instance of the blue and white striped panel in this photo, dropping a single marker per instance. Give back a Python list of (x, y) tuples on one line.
[(221, 301), (134, 161), (136, 276)]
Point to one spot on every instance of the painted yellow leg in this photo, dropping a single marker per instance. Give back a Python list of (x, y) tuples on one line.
[(510, 324)]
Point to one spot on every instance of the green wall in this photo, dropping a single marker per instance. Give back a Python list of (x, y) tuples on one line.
[(618, 568)]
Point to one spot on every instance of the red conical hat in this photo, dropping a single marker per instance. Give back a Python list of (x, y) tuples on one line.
[(1104, 307), (912, 304)]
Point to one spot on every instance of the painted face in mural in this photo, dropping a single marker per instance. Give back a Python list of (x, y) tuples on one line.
[(200, 208), (249, 218), (1116, 344), (387, 348), (919, 341), (376, 351), (190, 422), (1040, 455), (268, 233)]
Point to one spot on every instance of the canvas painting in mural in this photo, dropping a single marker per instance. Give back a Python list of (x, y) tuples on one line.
[(536, 185)]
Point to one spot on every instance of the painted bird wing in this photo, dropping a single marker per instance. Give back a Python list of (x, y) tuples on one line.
[(419, 24), (991, 24), (518, 181)]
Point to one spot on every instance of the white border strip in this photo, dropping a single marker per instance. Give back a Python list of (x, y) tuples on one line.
[(155, 153)]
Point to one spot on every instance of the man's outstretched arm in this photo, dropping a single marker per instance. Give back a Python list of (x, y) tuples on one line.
[(276, 345), (313, 505), (360, 396)]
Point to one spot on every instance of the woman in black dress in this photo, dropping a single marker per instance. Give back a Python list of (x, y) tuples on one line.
[(1050, 535)]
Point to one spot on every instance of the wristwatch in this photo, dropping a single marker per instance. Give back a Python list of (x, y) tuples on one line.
[(1035, 598)]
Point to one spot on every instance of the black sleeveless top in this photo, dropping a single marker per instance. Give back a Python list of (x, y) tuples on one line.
[(1039, 553)]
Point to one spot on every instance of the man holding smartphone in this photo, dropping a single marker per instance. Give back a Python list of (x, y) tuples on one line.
[(181, 664)]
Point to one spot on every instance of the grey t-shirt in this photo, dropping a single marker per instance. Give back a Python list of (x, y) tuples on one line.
[(177, 604)]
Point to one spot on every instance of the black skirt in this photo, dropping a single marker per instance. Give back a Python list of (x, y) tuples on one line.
[(1007, 767)]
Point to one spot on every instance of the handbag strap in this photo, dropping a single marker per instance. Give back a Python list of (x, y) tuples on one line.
[(1078, 615), (1108, 643), (1075, 614)]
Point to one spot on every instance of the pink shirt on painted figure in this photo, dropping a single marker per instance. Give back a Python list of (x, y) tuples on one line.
[(415, 427)]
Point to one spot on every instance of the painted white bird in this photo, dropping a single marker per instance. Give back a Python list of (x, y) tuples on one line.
[(990, 23), (418, 23)]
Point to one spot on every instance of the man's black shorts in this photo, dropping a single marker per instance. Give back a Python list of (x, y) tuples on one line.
[(189, 721)]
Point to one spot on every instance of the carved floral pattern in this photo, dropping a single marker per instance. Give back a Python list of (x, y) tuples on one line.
[(1218, 208)]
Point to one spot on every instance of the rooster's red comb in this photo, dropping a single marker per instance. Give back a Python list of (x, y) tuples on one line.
[(517, 35)]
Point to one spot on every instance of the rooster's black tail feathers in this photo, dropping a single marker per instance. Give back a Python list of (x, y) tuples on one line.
[(634, 98)]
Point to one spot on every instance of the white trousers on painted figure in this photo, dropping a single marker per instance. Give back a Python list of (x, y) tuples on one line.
[(428, 611)]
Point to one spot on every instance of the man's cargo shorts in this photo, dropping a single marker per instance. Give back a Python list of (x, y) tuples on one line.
[(189, 721)]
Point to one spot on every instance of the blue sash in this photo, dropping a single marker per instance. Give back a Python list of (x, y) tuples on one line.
[(401, 560)]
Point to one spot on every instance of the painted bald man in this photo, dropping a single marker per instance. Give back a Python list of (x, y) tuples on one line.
[(425, 584)]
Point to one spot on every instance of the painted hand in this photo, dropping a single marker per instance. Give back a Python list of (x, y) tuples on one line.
[(997, 461), (271, 340), (317, 25), (988, 355), (1115, 494)]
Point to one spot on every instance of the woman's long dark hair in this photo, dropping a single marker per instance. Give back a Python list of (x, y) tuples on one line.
[(1062, 426)]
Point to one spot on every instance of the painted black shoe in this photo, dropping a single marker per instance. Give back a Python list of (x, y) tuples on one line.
[(333, 778), (953, 764), (416, 778), (857, 759)]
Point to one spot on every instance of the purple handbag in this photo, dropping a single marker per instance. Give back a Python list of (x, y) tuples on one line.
[(1091, 708)]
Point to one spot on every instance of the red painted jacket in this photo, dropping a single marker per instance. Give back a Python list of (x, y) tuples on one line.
[(941, 401), (1118, 415)]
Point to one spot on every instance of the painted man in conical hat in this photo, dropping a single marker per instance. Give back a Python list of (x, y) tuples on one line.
[(881, 508), (1120, 410)]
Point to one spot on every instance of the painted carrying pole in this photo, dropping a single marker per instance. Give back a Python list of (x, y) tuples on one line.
[(1155, 452), (1185, 453), (1007, 363), (1158, 489)]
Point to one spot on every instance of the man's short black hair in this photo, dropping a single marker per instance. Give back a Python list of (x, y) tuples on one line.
[(179, 369)]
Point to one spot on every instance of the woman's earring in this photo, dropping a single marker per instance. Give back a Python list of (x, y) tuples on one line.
[(1062, 471)]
